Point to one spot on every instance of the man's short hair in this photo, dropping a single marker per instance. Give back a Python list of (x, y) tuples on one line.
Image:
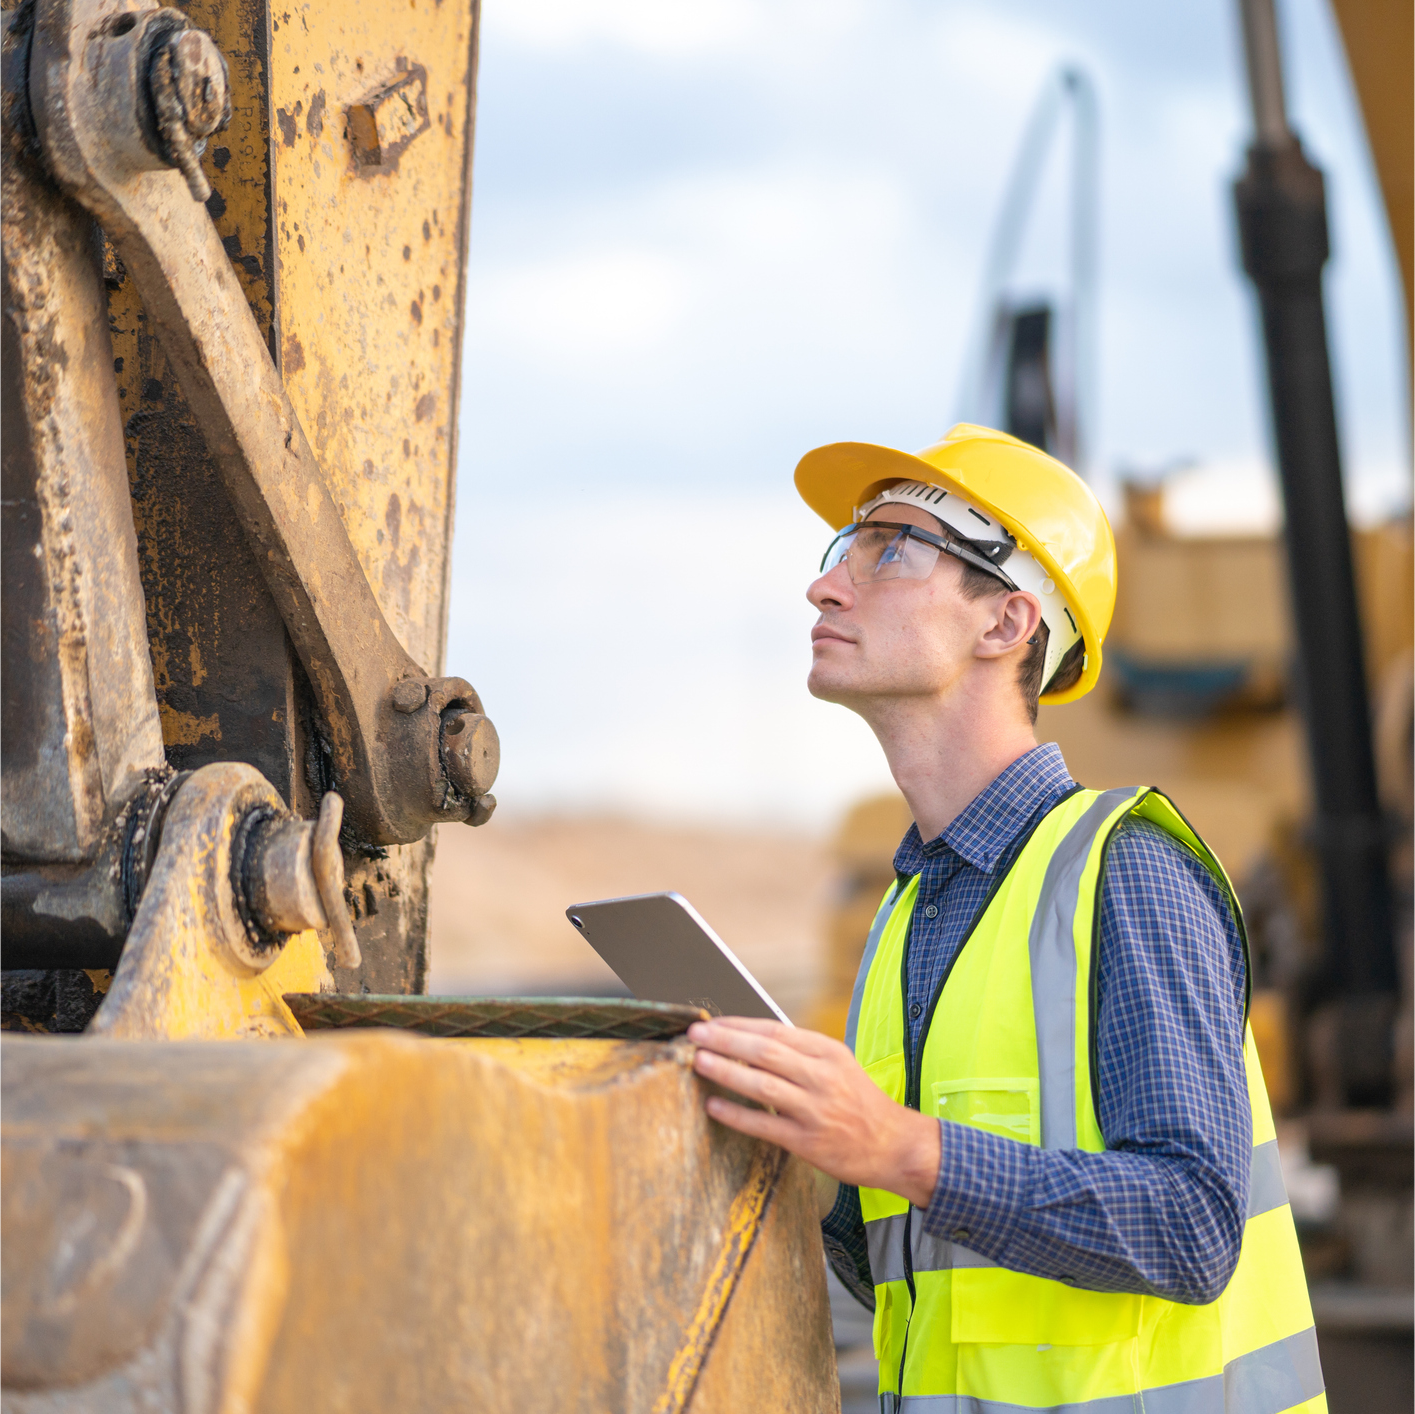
[(978, 584)]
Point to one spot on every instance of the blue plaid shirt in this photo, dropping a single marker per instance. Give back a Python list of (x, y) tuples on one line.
[(1161, 1210)]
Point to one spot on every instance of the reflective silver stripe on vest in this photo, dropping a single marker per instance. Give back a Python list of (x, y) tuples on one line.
[(857, 997), (885, 1236), (1266, 1190), (1053, 958), (885, 1239), (1269, 1380)]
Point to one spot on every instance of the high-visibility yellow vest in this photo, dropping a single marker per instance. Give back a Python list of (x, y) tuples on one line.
[(1008, 1048)]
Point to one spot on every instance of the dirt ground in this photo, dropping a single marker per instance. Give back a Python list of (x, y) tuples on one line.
[(499, 896)]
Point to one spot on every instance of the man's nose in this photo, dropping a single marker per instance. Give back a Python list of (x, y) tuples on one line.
[(832, 590)]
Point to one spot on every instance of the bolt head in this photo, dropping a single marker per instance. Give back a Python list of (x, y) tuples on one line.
[(199, 73), (471, 751), (409, 695)]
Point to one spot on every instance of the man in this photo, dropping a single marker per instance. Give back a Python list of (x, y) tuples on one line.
[(1058, 1179)]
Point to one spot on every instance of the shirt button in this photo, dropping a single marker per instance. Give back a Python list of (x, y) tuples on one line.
[(931, 911), (962, 1234), (916, 1011)]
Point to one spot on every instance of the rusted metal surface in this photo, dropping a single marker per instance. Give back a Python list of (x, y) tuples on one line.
[(381, 126), (287, 876), (584, 1018), (372, 259), (278, 880), (364, 322), (192, 965), (471, 752), (187, 83), (78, 915), (86, 97), (634, 1258), (51, 1000), (229, 684), (80, 726)]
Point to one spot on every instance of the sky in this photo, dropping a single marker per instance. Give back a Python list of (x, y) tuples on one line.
[(709, 237)]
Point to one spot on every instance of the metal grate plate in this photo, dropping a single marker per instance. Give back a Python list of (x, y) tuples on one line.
[(617, 1019)]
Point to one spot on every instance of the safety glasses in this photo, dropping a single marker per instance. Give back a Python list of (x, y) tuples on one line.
[(882, 549)]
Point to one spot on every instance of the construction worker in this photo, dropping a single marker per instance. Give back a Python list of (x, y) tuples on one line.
[(1058, 1180)]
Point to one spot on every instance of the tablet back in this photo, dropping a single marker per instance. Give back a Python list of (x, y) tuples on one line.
[(663, 951)]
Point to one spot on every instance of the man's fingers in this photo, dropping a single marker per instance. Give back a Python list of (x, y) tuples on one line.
[(771, 1051), (759, 1085), (744, 1023), (797, 1038), (765, 1054)]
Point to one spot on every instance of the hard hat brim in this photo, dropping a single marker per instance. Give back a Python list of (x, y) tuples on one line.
[(833, 480)]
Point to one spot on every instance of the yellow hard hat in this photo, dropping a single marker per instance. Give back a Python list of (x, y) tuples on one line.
[(1051, 513)]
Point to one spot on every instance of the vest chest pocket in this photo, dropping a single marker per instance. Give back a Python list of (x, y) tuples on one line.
[(1011, 1108)]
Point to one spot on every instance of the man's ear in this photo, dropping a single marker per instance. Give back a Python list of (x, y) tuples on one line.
[(1018, 617)]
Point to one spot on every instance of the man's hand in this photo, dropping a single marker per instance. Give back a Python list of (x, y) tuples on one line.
[(827, 1109)]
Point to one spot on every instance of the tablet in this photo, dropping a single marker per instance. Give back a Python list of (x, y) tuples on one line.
[(662, 950)]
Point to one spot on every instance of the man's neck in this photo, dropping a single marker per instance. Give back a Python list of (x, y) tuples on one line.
[(943, 753)]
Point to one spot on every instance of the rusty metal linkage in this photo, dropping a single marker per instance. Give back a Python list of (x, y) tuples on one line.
[(80, 731), (81, 913), (233, 884), (191, 99), (106, 83), (287, 875)]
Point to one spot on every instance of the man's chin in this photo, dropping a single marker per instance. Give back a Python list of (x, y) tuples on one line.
[(830, 687)]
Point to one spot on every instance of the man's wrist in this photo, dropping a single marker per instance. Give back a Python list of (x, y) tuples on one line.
[(917, 1160), (985, 1182)]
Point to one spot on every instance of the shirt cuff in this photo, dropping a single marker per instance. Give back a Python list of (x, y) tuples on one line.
[(982, 1188), (843, 1232)]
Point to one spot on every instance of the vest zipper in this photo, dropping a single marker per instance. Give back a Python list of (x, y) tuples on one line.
[(911, 1100), (913, 1084), (909, 1282)]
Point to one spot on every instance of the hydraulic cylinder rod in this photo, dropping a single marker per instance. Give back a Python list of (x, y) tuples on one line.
[(1282, 224)]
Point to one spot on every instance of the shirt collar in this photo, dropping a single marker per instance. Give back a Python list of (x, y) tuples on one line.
[(993, 819)]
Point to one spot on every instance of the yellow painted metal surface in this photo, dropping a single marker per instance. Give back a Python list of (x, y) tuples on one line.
[(1179, 596), (369, 261), (373, 1221), (359, 279)]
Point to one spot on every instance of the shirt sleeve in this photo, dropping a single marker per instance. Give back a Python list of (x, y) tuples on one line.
[(1161, 1210), (843, 1232)]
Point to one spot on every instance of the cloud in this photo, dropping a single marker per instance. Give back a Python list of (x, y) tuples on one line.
[(649, 653), (704, 314), (653, 27), (567, 310), (707, 237)]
